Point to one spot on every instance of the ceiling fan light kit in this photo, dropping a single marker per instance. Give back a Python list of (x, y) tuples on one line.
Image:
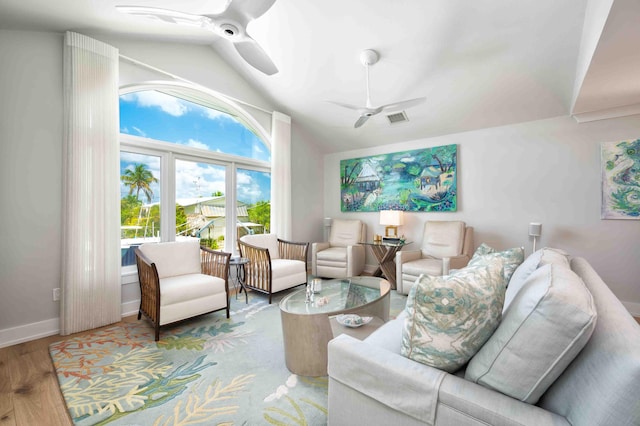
[(230, 24), (370, 57)]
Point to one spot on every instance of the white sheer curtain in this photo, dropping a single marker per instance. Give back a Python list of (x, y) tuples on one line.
[(281, 175), (91, 200)]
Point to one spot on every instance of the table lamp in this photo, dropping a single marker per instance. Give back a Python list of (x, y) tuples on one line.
[(391, 219)]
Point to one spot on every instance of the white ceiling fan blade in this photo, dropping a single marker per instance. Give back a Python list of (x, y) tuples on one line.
[(251, 51), (348, 106), (251, 9), (170, 16), (398, 106), (230, 24), (363, 119)]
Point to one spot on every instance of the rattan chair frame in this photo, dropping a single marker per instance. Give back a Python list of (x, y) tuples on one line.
[(258, 274), (214, 263)]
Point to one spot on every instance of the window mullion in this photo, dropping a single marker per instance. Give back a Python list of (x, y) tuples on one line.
[(168, 190), (230, 209)]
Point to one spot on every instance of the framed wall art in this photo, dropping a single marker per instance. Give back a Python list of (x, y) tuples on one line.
[(420, 180), (620, 164)]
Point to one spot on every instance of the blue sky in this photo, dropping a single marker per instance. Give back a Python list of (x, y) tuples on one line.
[(158, 116)]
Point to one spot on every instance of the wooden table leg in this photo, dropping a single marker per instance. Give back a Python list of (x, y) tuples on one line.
[(385, 255)]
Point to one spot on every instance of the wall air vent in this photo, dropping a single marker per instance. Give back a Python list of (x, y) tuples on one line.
[(397, 117)]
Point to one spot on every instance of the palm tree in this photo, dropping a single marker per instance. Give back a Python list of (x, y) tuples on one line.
[(139, 178)]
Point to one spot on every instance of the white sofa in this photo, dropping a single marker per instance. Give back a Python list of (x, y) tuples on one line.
[(370, 383), (180, 280)]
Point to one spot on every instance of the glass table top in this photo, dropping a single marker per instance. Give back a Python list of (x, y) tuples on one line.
[(337, 295), (387, 243)]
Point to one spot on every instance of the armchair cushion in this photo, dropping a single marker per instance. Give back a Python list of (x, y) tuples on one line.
[(174, 258), (268, 241), (443, 238), (545, 327), (188, 287), (287, 273), (428, 266), (345, 232), (333, 254), (450, 317)]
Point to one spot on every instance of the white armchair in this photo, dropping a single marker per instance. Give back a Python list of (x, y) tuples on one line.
[(445, 244), (180, 280), (274, 264), (342, 256)]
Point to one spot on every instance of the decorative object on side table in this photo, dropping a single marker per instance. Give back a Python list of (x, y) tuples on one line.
[(392, 219)]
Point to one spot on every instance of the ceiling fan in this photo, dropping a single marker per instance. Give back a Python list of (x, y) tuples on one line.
[(369, 57), (231, 24)]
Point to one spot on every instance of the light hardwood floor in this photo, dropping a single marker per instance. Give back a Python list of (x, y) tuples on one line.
[(29, 391)]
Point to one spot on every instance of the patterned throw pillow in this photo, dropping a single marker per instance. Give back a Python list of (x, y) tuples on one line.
[(512, 257), (450, 317)]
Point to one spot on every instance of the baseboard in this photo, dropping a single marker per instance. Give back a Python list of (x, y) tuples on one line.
[(26, 333), (50, 327), (130, 308)]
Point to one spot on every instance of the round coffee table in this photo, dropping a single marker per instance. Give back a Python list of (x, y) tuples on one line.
[(306, 326)]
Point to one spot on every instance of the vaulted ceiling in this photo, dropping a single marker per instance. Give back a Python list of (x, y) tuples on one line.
[(480, 64)]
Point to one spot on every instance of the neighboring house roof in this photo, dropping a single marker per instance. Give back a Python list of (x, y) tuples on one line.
[(218, 211)]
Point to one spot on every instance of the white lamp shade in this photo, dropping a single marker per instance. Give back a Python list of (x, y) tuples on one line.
[(391, 217)]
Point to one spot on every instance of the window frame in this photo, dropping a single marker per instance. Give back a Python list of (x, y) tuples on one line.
[(170, 152)]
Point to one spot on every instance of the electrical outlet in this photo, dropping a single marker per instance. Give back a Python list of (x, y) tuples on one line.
[(56, 294)]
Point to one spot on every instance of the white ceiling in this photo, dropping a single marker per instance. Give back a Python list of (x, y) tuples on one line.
[(480, 63)]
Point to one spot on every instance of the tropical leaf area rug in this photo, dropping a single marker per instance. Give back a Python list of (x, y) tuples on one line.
[(209, 370)]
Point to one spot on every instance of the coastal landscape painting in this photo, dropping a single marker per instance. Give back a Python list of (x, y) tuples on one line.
[(420, 180), (620, 163)]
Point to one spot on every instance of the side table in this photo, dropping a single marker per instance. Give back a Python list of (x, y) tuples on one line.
[(385, 254), (239, 263)]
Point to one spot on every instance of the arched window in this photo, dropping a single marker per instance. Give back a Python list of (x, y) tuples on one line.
[(192, 165)]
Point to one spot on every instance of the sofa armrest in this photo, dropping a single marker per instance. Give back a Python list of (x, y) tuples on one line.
[(463, 402), (389, 378)]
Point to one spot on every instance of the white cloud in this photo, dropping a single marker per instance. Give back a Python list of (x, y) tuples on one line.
[(197, 179), (213, 114), (169, 104)]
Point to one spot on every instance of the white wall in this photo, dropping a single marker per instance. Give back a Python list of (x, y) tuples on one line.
[(545, 171), (31, 166), (31, 176)]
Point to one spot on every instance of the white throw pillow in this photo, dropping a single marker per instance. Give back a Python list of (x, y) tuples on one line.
[(534, 261), (450, 317), (545, 327)]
